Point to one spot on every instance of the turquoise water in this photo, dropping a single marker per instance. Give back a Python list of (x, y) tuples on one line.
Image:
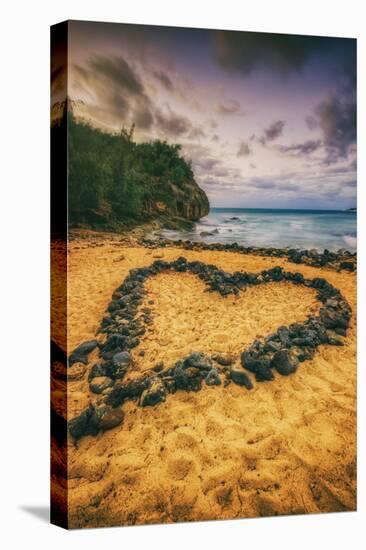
[(260, 227)]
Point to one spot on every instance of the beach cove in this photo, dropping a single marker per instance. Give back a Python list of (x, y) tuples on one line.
[(286, 446)]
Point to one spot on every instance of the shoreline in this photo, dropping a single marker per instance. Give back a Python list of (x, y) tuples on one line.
[(140, 236), (296, 229)]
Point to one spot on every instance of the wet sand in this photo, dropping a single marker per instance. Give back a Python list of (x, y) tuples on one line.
[(286, 447)]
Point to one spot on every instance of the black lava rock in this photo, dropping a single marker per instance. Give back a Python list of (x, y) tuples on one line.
[(298, 278), (271, 346), (223, 359), (334, 339), (159, 367), (100, 369), (122, 359), (281, 351), (285, 362), (238, 376), (86, 423), (115, 343), (109, 417), (187, 378), (78, 425), (283, 334), (213, 378), (100, 383), (349, 266), (129, 390), (154, 394), (260, 366), (198, 360), (333, 319), (80, 354)]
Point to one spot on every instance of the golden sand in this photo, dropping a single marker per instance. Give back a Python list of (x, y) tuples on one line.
[(287, 446)]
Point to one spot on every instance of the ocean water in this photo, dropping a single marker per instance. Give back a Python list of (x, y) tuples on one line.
[(260, 227)]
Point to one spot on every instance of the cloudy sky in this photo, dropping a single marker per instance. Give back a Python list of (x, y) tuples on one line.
[(267, 120)]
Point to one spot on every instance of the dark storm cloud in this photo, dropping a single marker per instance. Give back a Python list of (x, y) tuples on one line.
[(216, 184), (347, 169), (172, 124), (292, 187), (244, 149), (164, 79), (109, 97), (262, 183), (197, 133), (281, 53), (206, 164), (300, 149), (336, 115), (208, 168), (58, 79), (229, 107), (287, 186), (117, 88), (336, 118), (143, 118), (350, 183), (311, 122), (221, 172), (119, 72), (272, 132), (83, 73), (120, 104), (279, 183)]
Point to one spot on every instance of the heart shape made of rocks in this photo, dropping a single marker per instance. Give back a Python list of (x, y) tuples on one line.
[(281, 351)]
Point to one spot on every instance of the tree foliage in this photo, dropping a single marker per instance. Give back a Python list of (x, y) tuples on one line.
[(112, 176)]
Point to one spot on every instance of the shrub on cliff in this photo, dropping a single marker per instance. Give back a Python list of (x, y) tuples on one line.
[(114, 179)]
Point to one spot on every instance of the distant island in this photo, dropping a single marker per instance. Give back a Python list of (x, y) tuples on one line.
[(116, 183), (354, 209)]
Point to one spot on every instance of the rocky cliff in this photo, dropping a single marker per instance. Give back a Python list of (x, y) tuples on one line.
[(165, 199), (114, 180)]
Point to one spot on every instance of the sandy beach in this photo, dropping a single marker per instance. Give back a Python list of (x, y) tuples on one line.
[(286, 447)]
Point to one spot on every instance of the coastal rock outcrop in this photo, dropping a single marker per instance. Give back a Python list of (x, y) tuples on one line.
[(173, 203), (133, 183)]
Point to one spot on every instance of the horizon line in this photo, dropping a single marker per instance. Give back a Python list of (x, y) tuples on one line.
[(283, 208)]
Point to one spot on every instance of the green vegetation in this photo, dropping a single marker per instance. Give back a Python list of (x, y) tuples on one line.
[(113, 179)]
